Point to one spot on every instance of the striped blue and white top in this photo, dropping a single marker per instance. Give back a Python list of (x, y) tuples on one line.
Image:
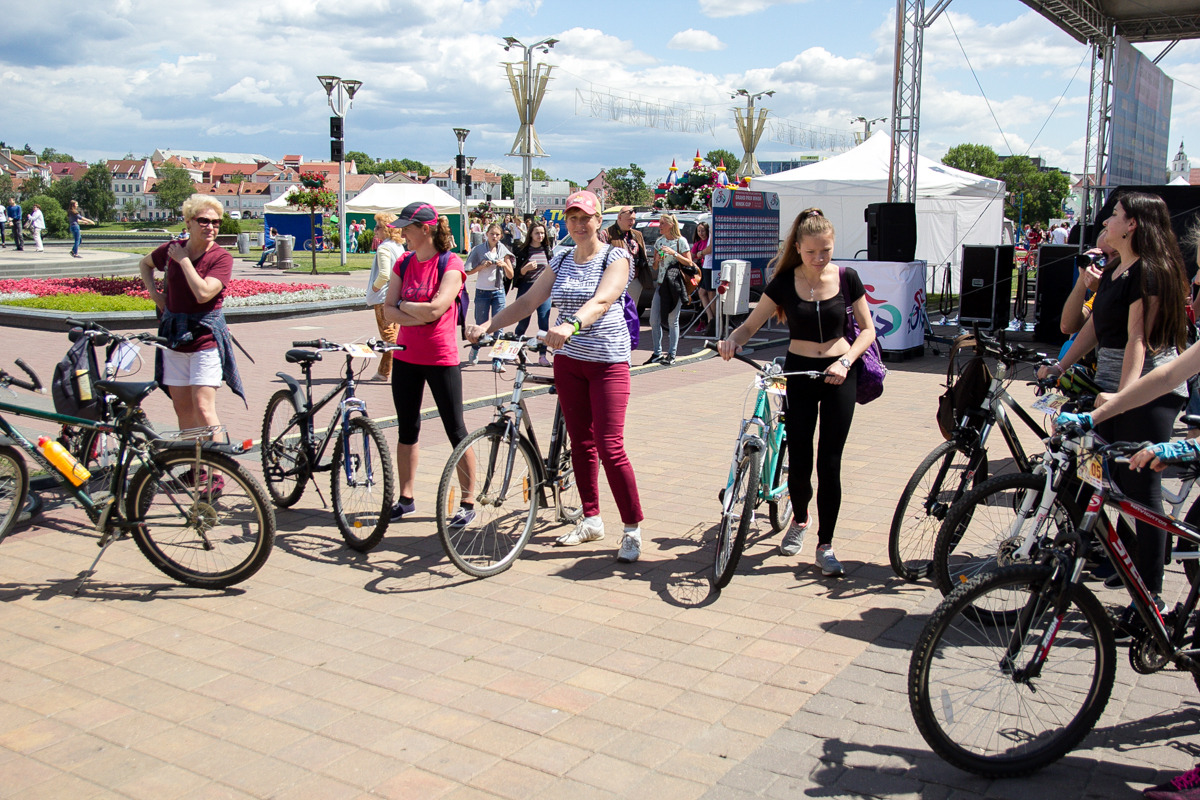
[(607, 339)]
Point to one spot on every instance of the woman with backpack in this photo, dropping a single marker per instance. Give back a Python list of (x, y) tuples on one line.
[(422, 297), (591, 367)]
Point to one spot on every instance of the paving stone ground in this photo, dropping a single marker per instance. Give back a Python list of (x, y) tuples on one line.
[(333, 674)]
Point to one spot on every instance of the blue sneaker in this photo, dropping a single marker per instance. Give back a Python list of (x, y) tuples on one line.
[(402, 508), (462, 517)]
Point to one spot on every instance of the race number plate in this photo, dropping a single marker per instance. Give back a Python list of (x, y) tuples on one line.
[(1050, 403), (506, 350), (1091, 471), (775, 386), (360, 350)]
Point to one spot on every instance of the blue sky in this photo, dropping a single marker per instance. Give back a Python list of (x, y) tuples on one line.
[(105, 78)]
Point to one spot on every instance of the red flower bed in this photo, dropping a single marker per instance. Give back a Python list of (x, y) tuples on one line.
[(132, 287)]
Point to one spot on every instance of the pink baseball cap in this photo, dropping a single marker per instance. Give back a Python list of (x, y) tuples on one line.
[(585, 200)]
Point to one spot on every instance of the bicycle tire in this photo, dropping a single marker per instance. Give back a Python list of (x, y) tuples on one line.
[(781, 507), (502, 526), (211, 532), (968, 707), (14, 487), (568, 505), (731, 541), (979, 534), (285, 466), (362, 499), (938, 481)]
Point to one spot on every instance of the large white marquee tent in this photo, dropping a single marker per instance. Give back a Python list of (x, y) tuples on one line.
[(953, 207)]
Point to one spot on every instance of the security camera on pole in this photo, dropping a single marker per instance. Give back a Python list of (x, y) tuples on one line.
[(346, 89), (528, 88)]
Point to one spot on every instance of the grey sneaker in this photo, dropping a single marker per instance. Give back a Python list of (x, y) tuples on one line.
[(793, 540), (589, 529), (631, 546), (828, 562), (473, 358)]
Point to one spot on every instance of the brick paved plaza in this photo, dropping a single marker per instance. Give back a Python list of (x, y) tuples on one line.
[(333, 674)]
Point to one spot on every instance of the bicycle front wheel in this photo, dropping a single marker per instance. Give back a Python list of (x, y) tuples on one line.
[(937, 483), (14, 486), (781, 507), (505, 508), (991, 523), (362, 484), (285, 466), (568, 504), (203, 521), (735, 523), (971, 688)]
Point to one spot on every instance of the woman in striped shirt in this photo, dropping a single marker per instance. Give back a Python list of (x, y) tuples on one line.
[(591, 368)]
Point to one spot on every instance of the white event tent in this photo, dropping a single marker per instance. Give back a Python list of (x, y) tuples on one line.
[(953, 207)]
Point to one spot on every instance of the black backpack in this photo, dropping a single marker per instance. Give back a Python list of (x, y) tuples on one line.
[(73, 386)]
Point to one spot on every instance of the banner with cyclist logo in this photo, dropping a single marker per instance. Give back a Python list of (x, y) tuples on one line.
[(896, 297)]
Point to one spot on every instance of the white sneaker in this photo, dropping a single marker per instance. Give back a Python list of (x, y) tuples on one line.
[(828, 562), (631, 546), (589, 529), (473, 358)]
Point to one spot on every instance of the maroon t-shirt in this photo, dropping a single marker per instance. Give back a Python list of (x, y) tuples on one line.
[(213, 263)]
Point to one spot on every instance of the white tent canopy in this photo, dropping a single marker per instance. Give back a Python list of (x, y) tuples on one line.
[(953, 207), (394, 197)]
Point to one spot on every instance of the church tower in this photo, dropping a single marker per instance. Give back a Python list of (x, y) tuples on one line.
[(1180, 167)]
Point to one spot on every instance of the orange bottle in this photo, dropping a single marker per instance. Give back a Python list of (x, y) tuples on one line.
[(61, 458)]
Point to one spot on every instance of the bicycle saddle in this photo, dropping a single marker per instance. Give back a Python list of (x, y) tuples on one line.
[(302, 356), (131, 394)]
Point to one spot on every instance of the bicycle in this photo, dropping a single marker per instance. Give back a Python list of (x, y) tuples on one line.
[(194, 512), (500, 466), (361, 480), (1005, 692), (759, 470), (961, 462)]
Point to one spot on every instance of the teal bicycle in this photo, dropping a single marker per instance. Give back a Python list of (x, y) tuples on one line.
[(759, 471)]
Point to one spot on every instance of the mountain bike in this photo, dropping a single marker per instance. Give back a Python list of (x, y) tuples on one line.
[(1014, 668), (194, 512), (961, 462), (361, 478), (759, 470), (500, 467)]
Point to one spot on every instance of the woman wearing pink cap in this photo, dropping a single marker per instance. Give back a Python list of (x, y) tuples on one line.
[(421, 298), (591, 367)]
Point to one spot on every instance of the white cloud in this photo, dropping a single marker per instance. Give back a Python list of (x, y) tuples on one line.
[(698, 41), (248, 90), (738, 8)]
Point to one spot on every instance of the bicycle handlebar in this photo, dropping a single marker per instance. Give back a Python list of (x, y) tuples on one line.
[(34, 384), (1001, 349), (311, 343)]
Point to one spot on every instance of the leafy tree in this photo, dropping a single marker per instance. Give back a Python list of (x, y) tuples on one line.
[(229, 225), (64, 190), (131, 208), (362, 162), (6, 187), (50, 156), (539, 174), (629, 186), (95, 193), (56, 218), (978, 159), (409, 165), (732, 162), (238, 177), (1043, 192), (508, 184), (366, 165), (32, 186), (174, 186)]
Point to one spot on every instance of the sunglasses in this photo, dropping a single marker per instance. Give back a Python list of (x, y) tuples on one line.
[(206, 221)]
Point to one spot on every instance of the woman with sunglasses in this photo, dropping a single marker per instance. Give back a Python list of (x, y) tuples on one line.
[(200, 355)]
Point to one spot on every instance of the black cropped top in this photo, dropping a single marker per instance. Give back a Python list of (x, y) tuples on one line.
[(814, 321)]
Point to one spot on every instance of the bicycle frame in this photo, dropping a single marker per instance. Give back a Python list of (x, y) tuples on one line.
[(762, 432), (512, 417), (998, 403), (347, 408)]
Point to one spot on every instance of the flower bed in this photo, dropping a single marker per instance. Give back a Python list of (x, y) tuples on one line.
[(237, 292)]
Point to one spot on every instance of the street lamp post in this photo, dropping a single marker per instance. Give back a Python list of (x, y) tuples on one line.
[(460, 167), (867, 123), (346, 89), (530, 102), (750, 131)]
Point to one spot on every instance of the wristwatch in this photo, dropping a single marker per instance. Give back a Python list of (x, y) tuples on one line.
[(573, 320), (845, 362)]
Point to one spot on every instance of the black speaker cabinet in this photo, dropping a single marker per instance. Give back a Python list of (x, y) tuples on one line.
[(985, 295), (1056, 274), (891, 231)]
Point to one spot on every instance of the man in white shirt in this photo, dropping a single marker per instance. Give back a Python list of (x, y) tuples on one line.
[(490, 262), (1059, 234)]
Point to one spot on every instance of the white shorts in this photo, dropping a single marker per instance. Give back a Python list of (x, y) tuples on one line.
[(202, 368)]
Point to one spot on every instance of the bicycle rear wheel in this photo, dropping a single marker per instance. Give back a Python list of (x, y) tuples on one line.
[(203, 521), (731, 532), (285, 466), (362, 484), (970, 689), (781, 507), (14, 486), (502, 524), (936, 484)]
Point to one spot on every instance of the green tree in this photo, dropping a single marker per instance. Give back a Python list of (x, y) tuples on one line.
[(32, 186), (629, 186), (131, 208), (539, 174), (6, 187), (95, 193), (978, 159), (174, 186), (50, 156), (508, 184), (64, 190), (362, 162), (56, 218), (732, 162)]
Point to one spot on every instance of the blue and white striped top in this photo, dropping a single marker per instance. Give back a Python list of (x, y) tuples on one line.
[(607, 339)]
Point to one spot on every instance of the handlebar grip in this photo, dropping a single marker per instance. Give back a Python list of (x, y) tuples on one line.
[(35, 385), (151, 338), (311, 343)]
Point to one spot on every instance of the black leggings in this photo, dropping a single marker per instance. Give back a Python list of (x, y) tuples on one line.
[(807, 399), (408, 387), (1149, 423)]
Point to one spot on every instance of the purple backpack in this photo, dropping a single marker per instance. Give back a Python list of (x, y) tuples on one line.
[(870, 378)]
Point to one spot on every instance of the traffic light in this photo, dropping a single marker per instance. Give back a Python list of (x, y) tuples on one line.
[(460, 169), (335, 128), (336, 150)]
